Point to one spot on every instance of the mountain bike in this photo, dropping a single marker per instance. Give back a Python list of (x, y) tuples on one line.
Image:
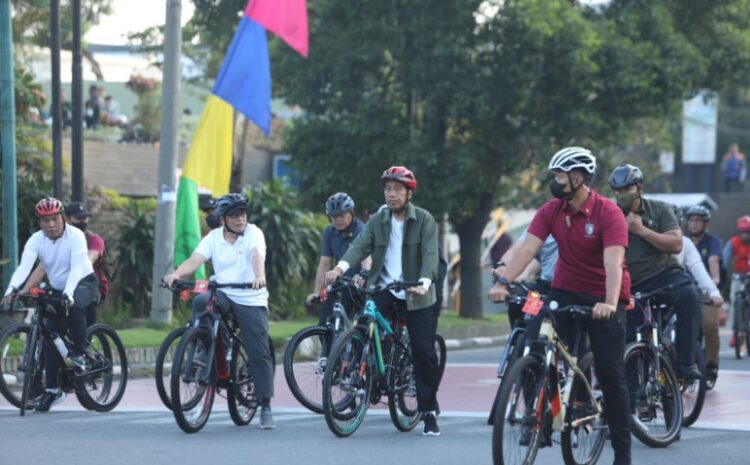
[(550, 389), (99, 386), (741, 324), (368, 361)]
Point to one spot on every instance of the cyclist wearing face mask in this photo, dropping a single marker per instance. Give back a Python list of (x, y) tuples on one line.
[(655, 235)]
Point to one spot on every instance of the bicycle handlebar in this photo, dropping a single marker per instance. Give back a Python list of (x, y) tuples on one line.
[(179, 285), (641, 296), (394, 286)]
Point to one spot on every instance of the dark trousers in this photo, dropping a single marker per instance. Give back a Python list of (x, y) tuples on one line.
[(422, 326), (685, 302), (253, 323), (607, 340), (85, 296)]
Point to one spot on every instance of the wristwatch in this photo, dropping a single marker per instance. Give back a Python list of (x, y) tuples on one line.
[(499, 264), (502, 280)]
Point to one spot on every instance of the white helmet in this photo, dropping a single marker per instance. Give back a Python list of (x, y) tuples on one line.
[(571, 158)]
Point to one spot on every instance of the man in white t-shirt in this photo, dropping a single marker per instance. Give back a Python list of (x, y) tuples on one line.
[(237, 252), (63, 253)]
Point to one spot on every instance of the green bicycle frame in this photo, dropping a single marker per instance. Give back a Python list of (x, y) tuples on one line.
[(372, 313)]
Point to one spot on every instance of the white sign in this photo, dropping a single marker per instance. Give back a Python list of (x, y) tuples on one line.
[(699, 120), (666, 162)]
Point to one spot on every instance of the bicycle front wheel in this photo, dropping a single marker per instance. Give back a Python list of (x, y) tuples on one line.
[(193, 383), (694, 391), (305, 360), (33, 366), (241, 397), (163, 365), (655, 400), (347, 383), (402, 389), (585, 432), (519, 414), (13, 368)]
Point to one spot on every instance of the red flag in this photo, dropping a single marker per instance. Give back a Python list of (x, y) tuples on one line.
[(285, 18)]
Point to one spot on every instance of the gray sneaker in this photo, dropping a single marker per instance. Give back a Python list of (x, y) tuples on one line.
[(266, 418)]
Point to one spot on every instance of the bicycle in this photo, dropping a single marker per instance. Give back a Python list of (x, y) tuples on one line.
[(165, 356), (200, 370), (656, 394), (550, 389), (368, 361), (742, 318), (98, 387), (513, 349)]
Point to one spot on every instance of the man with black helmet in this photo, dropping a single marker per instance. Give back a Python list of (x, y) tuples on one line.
[(237, 251), (655, 235), (709, 248), (63, 253), (403, 242), (337, 238), (592, 238)]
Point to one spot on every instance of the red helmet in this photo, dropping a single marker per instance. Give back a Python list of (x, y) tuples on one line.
[(400, 174), (743, 223), (48, 207)]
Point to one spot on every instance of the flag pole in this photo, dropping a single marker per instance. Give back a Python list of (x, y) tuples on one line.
[(161, 300)]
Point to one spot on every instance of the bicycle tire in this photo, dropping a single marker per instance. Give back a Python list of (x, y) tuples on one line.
[(741, 335), (516, 351), (523, 385), (12, 372), (349, 373), (103, 384), (304, 366), (402, 389), (160, 377), (647, 389), (241, 398), (582, 405), (191, 360), (442, 353), (694, 393), (32, 355)]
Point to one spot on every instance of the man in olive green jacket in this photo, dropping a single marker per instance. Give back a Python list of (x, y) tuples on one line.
[(402, 241)]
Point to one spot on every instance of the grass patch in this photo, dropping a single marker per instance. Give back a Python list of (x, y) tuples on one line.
[(152, 336)]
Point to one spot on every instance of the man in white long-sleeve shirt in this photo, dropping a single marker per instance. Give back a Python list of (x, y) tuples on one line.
[(63, 253)]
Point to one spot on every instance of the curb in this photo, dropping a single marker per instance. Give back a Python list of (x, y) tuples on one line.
[(475, 342)]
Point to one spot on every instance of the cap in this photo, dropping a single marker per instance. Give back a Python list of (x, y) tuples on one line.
[(77, 210)]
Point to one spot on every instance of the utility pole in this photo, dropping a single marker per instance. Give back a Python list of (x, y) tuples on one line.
[(161, 300), (8, 143), (77, 96), (54, 32)]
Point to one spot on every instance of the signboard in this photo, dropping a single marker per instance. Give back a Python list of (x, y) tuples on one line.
[(282, 170), (699, 121)]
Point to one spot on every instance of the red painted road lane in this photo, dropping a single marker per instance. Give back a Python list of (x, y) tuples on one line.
[(470, 389)]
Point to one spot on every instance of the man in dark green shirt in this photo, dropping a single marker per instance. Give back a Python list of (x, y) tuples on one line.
[(402, 241), (654, 235)]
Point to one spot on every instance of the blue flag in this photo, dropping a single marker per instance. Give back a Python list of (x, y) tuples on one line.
[(244, 80)]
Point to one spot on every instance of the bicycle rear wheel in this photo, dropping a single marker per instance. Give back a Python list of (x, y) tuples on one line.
[(402, 389), (163, 365), (694, 391), (656, 404), (442, 354), (193, 387), (103, 384), (519, 414), (12, 366), (241, 397), (585, 433), (347, 383), (304, 366)]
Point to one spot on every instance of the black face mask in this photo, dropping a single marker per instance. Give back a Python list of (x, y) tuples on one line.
[(558, 190), (81, 226), (212, 221)]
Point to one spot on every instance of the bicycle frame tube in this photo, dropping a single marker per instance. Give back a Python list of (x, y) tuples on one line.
[(510, 347)]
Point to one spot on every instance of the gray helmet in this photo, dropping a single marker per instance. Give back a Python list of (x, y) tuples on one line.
[(698, 210), (339, 203), (625, 176), (229, 203)]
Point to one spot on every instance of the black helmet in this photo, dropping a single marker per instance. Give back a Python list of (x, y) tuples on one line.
[(698, 210), (625, 176), (229, 203), (339, 203)]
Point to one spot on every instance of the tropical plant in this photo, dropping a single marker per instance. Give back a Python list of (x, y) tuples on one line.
[(292, 241)]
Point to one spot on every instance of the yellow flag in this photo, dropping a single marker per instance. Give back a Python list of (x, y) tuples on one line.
[(209, 161)]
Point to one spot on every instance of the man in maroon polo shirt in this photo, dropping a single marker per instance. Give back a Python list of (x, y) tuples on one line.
[(592, 237)]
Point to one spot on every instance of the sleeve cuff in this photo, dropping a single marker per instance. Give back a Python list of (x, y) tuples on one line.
[(343, 265), (426, 282)]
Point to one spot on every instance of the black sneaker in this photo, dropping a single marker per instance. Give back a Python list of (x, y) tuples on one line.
[(48, 400), (689, 372), (430, 425)]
